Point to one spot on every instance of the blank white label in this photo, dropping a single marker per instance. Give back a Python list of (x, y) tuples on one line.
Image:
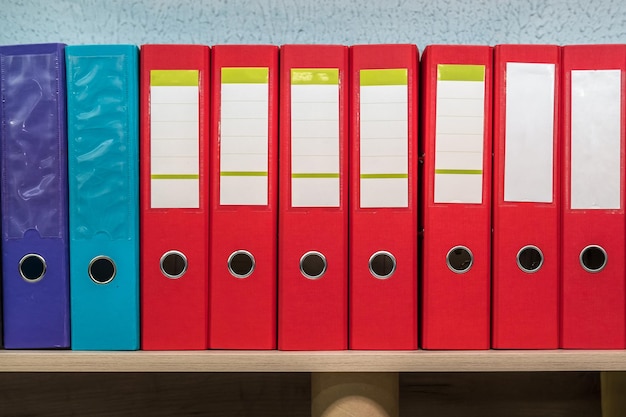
[(174, 139), (315, 137), (596, 139), (244, 131), (529, 132), (383, 140)]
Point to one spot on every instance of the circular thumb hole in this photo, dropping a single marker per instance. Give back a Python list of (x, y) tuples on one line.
[(313, 265), (102, 269), (459, 259), (241, 264), (32, 267), (382, 264)]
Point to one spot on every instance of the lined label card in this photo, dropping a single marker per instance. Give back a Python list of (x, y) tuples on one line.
[(244, 126), (174, 139), (315, 137), (384, 176), (459, 134), (596, 139), (529, 134)]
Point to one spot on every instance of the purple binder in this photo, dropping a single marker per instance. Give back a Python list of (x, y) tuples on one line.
[(33, 162)]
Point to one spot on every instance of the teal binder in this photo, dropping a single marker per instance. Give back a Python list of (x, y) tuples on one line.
[(103, 168)]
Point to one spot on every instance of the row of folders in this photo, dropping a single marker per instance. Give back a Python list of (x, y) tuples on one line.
[(187, 197)]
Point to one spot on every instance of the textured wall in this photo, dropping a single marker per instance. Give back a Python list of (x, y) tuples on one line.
[(313, 21)]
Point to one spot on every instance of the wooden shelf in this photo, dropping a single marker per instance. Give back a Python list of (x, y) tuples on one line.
[(343, 361)]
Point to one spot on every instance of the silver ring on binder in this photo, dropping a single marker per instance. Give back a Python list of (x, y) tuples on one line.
[(250, 259), (466, 263), (175, 256), (529, 248), (386, 256), (25, 262), (108, 264), (593, 250), (313, 255)]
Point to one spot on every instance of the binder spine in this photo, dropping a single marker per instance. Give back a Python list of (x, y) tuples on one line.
[(34, 196), (313, 199), (592, 281), (103, 194), (174, 196), (526, 206), (456, 280), (383, 197), (244, 204)]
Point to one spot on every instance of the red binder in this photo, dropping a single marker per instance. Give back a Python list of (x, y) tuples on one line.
[(313, 201), (383, 197), (456, 212), (244, 179), (593, 287), (174, 200), (526, 197)]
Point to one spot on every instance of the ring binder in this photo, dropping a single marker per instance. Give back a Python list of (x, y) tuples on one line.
[(456, 201), (383, 197), (593, 281), (244, 197), (526, 227), (174, 196), (313, 200), (103, 150), (35, 263)]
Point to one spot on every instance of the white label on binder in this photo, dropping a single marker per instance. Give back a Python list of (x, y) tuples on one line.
[(596, 139), (529, 132), (384, 149), (315, 137), (459, 134), (244, 136), (174, 139)]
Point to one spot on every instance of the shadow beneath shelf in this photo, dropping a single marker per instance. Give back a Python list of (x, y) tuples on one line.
[(155, 394), (459, 394), (504, 394)]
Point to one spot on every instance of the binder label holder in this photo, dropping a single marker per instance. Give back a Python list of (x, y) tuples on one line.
[(174, 139), (384, 149), (459, 133), (244, 136), (315, 137)]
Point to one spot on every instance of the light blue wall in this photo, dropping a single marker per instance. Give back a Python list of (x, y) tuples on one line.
[(313, 21)]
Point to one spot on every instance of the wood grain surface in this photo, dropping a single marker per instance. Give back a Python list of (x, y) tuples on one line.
[(342, 361)]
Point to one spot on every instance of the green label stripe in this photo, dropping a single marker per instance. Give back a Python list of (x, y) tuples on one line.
[(316, 175), (245, 75), (447, 72), (371, 176), (243, 173), (459, 171), (383, 77), (174, 78), (175, 176), (313, 76)]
